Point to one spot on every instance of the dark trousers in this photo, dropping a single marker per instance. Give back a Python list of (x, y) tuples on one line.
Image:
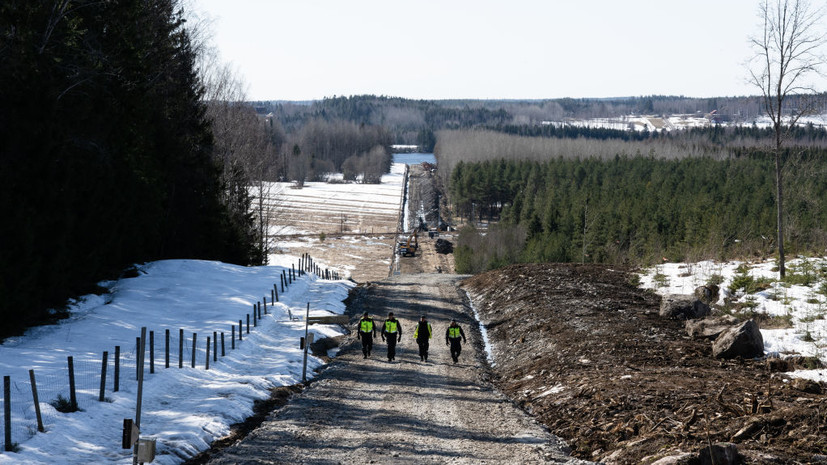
[(367, 342), (423, 348), (391, 346), (456, 348)]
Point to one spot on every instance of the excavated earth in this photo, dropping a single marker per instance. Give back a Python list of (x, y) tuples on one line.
[(585, 352)]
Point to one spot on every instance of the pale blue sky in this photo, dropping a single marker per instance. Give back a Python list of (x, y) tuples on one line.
[(440, 49)]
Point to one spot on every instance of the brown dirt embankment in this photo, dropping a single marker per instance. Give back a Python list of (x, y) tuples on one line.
[(585, 351)]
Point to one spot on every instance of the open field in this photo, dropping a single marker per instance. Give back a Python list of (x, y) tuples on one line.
[(353, 227)]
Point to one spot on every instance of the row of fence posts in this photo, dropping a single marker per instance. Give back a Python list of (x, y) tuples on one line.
[(307, 265), (286, 278)]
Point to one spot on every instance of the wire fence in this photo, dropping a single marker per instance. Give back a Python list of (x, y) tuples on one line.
[(35, 403)]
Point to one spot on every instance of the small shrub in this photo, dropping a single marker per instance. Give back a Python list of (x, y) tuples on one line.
[(63, 405), (715, 280), (807, 337), (634, 280), (750, 285), (322, 237), (812, 317), (750, 303), (660, 280), (811, 363), (805, 278)]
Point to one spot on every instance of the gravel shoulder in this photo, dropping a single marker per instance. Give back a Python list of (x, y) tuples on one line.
[(371, 410)]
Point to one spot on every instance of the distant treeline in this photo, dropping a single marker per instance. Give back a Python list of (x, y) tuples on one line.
[(106, 152), (415, 122), (715, 142), (622, 202), (321, 147)]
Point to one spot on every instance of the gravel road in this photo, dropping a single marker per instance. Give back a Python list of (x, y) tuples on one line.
[(371, 410)]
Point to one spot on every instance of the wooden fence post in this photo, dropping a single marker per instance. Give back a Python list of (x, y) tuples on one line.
[(255, 320), (194, 336), (232, 344), (137, 356), (240, 329), (215, 344), (276, 293), (166, 348), (73, 399), (117, 369), (152, 352), (37, 403), (222, 344), (264, 304), (103, 375), (207, 353), (7, 411), (180, 348), (248, 323)]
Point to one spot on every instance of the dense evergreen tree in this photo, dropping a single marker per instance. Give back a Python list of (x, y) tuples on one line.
[(105, 152), (633, 209)]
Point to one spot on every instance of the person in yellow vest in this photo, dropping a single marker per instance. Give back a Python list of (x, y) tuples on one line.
[(392, 332), (422, 334), (452, 338), (367, 331)]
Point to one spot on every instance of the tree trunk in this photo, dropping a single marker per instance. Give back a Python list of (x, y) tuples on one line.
[(780, 214)]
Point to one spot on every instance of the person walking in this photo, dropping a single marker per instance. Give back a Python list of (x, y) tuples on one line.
[(392, 332), (423, 334), (367, 331), (452, 338)]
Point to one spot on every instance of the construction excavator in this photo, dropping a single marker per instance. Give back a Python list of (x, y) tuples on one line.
[(408, 248)]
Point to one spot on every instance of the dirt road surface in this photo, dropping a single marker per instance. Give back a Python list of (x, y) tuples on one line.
[(373, 411)]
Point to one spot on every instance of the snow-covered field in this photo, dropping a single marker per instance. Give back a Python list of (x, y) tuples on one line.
[(672, 122), (802, 300), (184, 409), (337, 207)]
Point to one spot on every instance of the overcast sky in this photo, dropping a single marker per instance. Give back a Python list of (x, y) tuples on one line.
[(481, 49)]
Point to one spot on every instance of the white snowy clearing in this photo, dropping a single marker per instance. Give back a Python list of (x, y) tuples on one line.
[(804, 304), (183, 408), (333, 207)]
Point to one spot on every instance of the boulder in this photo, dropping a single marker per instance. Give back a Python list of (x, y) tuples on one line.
[(710, 328), (708, 294), (720, 454), (683, 307), (744, 341)]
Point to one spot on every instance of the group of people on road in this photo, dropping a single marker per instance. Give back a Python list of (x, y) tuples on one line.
[(391, 332)]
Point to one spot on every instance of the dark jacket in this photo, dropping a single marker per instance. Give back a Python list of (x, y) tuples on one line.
[(423, 331)]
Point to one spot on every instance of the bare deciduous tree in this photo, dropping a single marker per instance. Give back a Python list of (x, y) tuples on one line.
[(789, 51)]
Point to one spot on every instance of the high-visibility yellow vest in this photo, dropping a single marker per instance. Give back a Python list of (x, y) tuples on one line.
[(453, 332), (366, 326), (390, 326)]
